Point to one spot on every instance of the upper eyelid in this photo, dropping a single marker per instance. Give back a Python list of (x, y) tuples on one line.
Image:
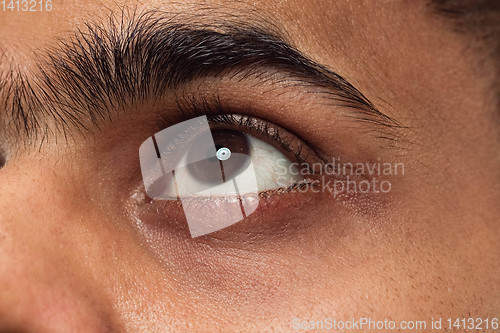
[(218, 112), (216, 109)]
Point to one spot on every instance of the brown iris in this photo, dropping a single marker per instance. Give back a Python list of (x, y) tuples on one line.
[(211, 169)]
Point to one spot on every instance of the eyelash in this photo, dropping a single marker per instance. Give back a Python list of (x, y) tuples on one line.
[(220, 117)]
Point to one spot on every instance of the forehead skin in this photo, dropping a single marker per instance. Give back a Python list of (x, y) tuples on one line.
[(66, 265)]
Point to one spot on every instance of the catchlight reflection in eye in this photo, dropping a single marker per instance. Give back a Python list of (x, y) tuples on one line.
[(217, 174)]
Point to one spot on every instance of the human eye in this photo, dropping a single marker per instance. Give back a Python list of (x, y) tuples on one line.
[(219, 166)]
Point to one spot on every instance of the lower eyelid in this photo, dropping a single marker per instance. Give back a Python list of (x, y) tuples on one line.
[(274, 205), (281, 213)]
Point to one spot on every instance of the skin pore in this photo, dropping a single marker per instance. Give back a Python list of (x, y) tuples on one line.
[(82, 250)]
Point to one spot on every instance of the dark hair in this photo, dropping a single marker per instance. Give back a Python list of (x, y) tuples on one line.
[(478, 18)]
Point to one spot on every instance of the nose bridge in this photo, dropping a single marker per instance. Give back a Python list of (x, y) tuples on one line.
[(39, 291)]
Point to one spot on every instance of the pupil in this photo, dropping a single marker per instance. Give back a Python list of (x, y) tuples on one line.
[(214, 170)]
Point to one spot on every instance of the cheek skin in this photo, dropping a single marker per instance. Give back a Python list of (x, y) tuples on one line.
[(336, 267)]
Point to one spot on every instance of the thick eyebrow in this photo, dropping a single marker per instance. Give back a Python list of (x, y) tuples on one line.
[(105, 66)]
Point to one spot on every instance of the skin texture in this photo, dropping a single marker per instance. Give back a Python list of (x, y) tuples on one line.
[(75, 254)]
